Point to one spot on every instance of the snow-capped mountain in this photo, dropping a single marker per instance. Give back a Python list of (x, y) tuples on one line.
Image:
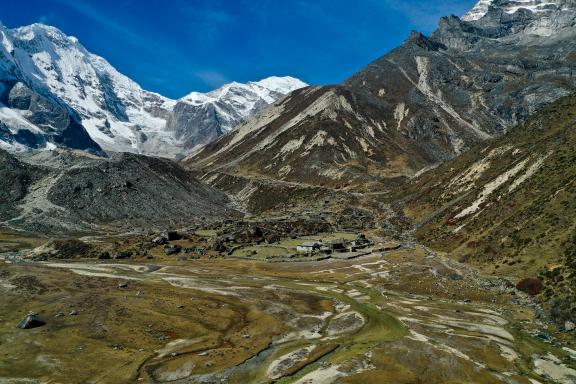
[(34, 118), (512, 6), (114, 110), (201, 117), (524, 22), (107, 109)]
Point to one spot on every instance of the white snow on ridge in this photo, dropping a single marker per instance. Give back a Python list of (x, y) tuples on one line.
[(116, 112), (110, 105), (262, 89), (511, 7), (16, 121), (282, 85), (479, 10), (244, 99)]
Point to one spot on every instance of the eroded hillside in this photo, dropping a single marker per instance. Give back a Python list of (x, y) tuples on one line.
[(508, 205)]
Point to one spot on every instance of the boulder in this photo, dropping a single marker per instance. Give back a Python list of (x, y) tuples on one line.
[(569, 326), (530, 285), (33, 320), (160, 240), (256, 231), (123, 255), (104, 255), (455, 276), (173, 235), (172, 250), (218, 246)]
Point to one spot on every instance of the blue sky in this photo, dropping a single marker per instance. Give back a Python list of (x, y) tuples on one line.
[(177, 46)]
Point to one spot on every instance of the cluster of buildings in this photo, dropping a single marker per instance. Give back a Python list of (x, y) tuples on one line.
[(337, 248)]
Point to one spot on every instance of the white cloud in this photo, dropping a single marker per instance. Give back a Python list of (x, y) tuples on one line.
[(212, 79)]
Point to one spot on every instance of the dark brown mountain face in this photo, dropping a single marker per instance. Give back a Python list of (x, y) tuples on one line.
[(424, 102)]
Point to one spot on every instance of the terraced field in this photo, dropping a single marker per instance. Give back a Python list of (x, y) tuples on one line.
[(401, 317)]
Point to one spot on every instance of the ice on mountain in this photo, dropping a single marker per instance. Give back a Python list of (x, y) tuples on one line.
[(511, 7), (115, 111)]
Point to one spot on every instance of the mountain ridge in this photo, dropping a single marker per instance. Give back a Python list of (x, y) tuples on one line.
[(114, 110), (230, 105), (483, 7), (424, 102)]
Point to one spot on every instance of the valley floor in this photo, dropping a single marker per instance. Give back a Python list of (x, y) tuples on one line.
[(403, 316)]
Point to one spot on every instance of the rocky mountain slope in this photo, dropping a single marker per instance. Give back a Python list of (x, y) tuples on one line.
[(319, 135), (67, 191), (508, 205), (424, 102), (54, 92), (199, 118)]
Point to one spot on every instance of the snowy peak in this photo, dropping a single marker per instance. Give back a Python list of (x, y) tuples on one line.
[(282, 85), (235, 102), (523, 21), (262, 89), (113, 110), (513, 6), (42, 32), (479, 10), (199, 118)]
